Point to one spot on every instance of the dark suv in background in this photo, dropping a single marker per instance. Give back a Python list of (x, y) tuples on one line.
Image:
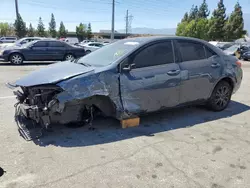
[(42, 50)]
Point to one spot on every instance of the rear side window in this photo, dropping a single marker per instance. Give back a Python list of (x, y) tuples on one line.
[(155, 54), (55, 44), (40, 44), (191, 51)]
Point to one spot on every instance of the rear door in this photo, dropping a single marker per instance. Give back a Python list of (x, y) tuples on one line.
[(56, 50), (38, 51), (200, 67), (153, 82)]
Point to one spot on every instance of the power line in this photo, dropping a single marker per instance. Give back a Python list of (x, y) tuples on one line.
[(48, 20)]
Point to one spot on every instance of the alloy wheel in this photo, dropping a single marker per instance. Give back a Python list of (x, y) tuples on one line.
[(222, 96), (16, 59), (69, 57)]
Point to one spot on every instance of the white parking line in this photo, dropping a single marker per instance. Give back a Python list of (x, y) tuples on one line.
[(8, 97)]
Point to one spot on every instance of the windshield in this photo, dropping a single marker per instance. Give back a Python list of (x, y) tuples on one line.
[(108, 54), (28, 43), (233, 48), (19, 41)]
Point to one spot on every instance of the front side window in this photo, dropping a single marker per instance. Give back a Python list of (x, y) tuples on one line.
[(40, 44), (191, 51), (155, 54), (209, 52)]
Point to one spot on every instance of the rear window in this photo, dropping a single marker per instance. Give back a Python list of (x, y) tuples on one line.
[(191, 51)]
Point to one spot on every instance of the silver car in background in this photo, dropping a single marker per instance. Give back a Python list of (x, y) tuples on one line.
[(91, 46)]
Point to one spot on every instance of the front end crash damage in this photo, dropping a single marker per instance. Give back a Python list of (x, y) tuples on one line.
[(36, 105), (73, 101)]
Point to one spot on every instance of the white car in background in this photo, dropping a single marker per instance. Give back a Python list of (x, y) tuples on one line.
[(91, 46)]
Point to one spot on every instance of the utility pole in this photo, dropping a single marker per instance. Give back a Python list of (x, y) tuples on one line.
[(17, 12), (113, 21), (127, 24)]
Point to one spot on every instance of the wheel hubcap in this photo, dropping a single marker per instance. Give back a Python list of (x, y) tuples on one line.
[(69, 57), (16, 59), (222, 96)]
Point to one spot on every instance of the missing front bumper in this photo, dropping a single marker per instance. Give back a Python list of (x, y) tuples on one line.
[(28, 128)]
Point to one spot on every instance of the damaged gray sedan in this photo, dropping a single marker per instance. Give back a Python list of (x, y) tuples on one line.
[(126, 79)]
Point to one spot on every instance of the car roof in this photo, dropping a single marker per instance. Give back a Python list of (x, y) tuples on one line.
[(145, 40)]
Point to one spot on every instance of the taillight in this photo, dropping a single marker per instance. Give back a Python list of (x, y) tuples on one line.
[(238, 63)]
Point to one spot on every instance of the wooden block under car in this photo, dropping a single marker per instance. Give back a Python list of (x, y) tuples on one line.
[(133, 122)]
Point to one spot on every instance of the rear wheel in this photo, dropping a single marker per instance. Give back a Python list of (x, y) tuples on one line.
[(69, 57), (16, 59), (220, 97)]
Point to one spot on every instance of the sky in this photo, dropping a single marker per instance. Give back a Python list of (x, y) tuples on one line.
[(145, 13)]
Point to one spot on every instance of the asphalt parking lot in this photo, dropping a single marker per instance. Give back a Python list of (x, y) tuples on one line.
[(182, 148)]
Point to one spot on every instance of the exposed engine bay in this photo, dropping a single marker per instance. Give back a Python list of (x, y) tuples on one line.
[(39, 105)]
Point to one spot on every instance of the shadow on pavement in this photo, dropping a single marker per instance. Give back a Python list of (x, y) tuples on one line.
[(109, 130)]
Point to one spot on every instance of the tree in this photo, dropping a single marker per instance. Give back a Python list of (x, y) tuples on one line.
[(52, 26), (203, 10), (185, 17), (89, 31), (218, 21), (235, 24), (31, 31), (6, 29), (181, 29), (202, 27), (40, 28), (62, 31), (20, 27), (193, 13), (80, 31)]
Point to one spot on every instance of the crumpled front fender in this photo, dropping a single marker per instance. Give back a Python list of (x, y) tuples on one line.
[(99, 84)]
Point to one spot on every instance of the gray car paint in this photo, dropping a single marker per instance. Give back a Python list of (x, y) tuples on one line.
[(53, 73), (145, 89)]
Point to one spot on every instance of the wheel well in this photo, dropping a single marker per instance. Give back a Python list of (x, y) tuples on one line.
[(104, 104), (16, 53), (228, 80)]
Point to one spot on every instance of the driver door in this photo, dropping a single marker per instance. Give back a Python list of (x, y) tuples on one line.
[(38, 51), (150, 79)]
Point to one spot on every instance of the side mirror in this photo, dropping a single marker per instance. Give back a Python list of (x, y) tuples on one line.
[(128, 68)]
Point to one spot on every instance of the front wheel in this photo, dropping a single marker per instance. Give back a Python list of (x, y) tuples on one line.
[(16, 59), (220, 97), (68, 57)]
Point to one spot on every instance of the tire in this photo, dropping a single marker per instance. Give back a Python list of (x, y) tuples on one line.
[(88, 51), (245, 59), (220, 97), (16, 59), (68, 57)]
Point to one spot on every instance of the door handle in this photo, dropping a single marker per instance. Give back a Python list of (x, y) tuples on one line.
[(215, 65), (173, 72)]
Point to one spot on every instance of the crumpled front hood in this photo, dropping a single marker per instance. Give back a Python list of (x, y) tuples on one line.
[(53, 74)]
